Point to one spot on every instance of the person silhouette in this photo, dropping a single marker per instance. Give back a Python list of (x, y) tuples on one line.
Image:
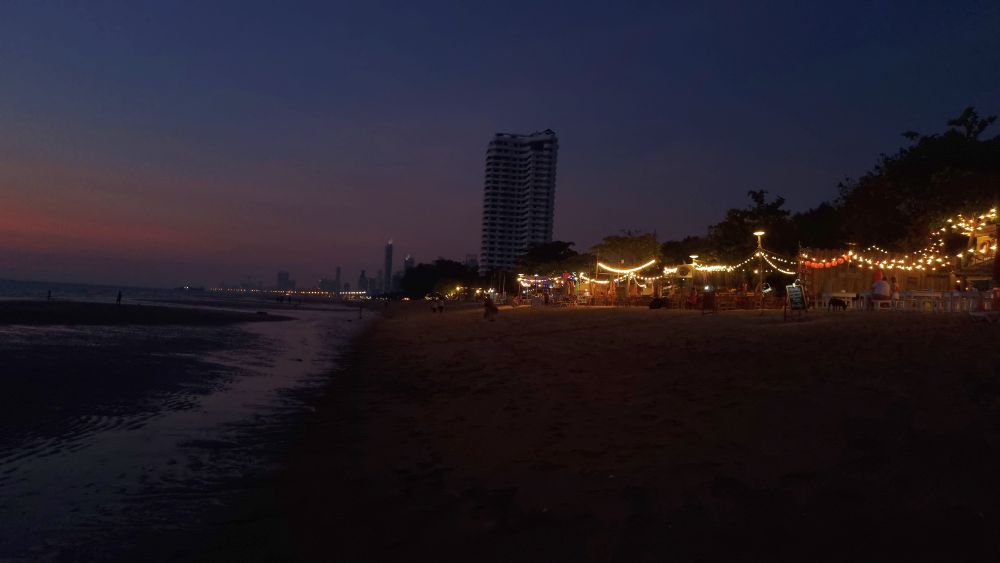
[(118, 301)]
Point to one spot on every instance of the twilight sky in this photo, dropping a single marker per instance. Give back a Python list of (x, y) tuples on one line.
[(161, 143)]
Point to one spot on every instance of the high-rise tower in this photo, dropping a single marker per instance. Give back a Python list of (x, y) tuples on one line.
[(387, 271), (519, 196)]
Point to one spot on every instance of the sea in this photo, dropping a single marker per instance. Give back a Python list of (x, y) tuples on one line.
[(113, 435)]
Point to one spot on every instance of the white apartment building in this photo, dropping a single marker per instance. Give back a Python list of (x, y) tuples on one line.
[(518, 198)]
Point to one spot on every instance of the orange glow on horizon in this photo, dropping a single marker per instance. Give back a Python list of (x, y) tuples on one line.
[(28, 229)]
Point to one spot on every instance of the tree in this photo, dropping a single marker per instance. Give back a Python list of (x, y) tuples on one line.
[(907, 194), (895, 205), (545, 256), (680, 251), (820, 227), (631, 248), (970, 124), (732, 239), (441, 277)]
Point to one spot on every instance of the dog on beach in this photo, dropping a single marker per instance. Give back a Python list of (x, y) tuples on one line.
[(837, 303)]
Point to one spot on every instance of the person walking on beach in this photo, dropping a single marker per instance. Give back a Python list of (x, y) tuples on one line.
[(490, 309), (118, 301)]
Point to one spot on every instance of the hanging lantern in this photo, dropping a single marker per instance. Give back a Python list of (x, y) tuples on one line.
[(840, 261)]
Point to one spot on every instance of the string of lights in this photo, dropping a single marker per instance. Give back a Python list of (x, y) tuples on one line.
[(626, 271), (928, 258), (775, 266)]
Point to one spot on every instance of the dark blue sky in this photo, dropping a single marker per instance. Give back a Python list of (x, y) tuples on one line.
[(167, 142)]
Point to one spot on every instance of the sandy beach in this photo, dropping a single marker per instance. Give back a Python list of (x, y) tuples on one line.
[(639, 435)]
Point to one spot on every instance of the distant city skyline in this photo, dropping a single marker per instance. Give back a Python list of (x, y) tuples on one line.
[(387, 268), (168, 144)]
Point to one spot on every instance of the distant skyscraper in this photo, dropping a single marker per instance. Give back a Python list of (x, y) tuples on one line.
[(284, 282), (519, 196), (362, 282), (337, 279), (408, 262), (387, 271)]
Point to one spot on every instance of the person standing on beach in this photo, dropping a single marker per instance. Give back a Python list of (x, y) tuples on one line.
[(49, 296), (490, 309), (118, 301)]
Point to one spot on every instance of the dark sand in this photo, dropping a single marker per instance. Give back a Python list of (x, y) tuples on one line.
[(639, 435), (85, 313)]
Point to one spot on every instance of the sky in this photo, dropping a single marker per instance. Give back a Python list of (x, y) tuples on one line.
[(170, 143)]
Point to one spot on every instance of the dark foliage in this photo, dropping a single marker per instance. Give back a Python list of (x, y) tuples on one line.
[(895, 205), (908, 193), (629, 248), (554, 257), (440, 276)]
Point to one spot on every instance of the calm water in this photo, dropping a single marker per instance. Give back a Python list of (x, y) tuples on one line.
[(110, 434), (13, 289)]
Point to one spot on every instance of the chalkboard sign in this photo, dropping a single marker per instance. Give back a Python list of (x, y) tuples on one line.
[(796, 300)]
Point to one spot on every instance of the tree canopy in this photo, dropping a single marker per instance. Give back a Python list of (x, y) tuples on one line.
[(907, 194), (440, 276), (895, 205), (732, 239), (630, 248), (554, 258)]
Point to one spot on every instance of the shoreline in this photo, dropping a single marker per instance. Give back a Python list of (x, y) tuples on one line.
[(73, 313), (195, 416), (623, 434)]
